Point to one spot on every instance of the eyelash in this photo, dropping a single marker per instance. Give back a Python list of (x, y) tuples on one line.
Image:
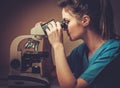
[(66, 21)]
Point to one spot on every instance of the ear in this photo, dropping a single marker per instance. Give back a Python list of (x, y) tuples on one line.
[(85, 20)]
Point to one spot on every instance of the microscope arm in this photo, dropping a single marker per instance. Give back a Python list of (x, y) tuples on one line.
[(36, 33), (14, 53)]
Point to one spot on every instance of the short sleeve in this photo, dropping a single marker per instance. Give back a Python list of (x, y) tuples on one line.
[(99, 61)]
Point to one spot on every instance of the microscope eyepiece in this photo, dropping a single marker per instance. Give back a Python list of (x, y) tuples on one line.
[(64, 24)]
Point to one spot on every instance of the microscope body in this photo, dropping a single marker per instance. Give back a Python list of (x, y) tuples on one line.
[(26, 68)]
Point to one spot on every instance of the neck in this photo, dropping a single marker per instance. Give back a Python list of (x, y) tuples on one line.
[(93, 42)]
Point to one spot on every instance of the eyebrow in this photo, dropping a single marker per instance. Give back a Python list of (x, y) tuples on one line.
[(65, 19)]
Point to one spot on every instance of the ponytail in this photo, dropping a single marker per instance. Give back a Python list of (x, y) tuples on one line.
[(106, 20)]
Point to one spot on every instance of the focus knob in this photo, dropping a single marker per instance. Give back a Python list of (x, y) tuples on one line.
[(15, 63)]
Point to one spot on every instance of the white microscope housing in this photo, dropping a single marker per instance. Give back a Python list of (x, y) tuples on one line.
[(21, 76)]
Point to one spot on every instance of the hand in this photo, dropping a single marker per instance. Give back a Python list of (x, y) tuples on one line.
[(54, 33)]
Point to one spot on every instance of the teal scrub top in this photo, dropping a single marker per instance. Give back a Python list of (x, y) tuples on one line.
[(96, 69)]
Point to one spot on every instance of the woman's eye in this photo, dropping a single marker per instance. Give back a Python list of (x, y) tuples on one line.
[(66, 21)]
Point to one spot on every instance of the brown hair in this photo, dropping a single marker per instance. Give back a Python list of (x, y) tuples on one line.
[(99, 11)]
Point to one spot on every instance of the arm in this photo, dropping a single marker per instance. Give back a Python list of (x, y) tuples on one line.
[(65, 76)]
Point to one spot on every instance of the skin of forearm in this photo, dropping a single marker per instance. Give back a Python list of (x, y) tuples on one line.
[(65, 76)]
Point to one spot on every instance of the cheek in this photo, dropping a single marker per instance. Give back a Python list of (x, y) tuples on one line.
[(72, 27), (75, 31)]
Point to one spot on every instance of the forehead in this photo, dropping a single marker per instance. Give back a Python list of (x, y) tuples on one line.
[(66, 13)]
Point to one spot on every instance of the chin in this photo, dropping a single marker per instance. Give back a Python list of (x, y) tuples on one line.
[(73, 39)]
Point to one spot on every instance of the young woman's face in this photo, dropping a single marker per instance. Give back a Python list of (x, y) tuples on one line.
[(75, 29)]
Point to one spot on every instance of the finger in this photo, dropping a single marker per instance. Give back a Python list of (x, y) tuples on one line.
[(50, 27), (58, 25), (53, 24), (47, 31)]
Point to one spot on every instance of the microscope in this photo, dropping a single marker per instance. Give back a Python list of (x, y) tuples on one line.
[(25, 68)]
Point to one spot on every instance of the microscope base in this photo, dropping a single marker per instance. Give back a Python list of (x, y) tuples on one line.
[(27, 80)]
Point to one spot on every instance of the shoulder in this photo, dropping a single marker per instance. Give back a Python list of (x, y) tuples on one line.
[(107, 52), (112, 45), (114, 42)]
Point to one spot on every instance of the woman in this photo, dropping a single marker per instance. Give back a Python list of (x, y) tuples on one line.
[(88, 64)]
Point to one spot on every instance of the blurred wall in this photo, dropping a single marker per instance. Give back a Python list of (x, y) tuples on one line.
[(17, 17)]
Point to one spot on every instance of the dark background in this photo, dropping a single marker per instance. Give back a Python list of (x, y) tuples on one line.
[(17, 17)]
